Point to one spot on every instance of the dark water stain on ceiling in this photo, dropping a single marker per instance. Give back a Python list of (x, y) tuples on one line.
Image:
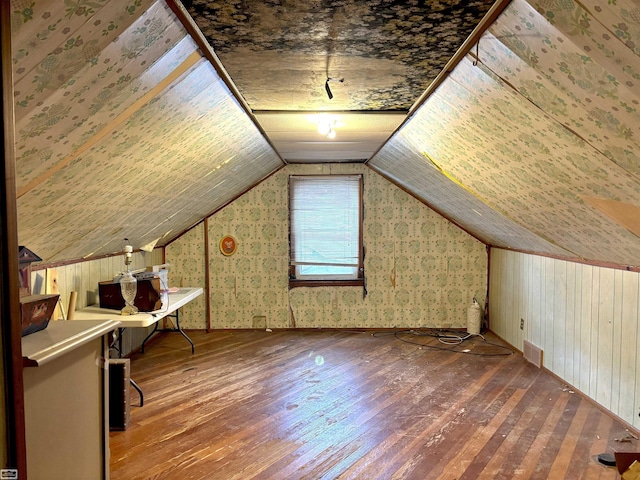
[(280, 53)]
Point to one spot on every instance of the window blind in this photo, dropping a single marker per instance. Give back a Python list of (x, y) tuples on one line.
[(325, 226)]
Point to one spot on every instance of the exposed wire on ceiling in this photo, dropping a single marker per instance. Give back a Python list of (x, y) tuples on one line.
[(475, 60), (326, 85)]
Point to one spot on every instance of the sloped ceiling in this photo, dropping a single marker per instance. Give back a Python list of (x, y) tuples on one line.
[(128, 125), (123, 129), (541, 126), (373, 57)]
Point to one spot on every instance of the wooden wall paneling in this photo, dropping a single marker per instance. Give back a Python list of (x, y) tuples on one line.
[(546, 308), (117, 264), (522, 301), (505, 297), (539, 313), (89, 286), (66, 280), (526, 310), (616, 339), (604, 372), (104, 269), (63, 277), (577, 323), (570, 327), (536, 288), (629, 317), (636, 406), (74, 284), (585, 318), (598, 330), (512, 307), (52, 285), (509, 300), (97, 275), (593, 331), (585, 326), (87, 293), (508, 307), (559, 307)]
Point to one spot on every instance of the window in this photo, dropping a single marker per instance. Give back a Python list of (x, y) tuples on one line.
[(325, 230)]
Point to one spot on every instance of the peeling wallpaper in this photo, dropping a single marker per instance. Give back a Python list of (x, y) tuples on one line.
[(421, 271)]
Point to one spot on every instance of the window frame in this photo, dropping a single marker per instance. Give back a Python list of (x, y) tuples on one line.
[(358, 281)]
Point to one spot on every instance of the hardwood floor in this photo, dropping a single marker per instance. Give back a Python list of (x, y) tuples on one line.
[(350, 405)]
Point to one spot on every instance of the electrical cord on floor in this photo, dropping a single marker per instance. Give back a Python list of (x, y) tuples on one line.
[(451, 338)]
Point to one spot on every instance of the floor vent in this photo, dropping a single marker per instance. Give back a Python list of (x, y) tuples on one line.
[(533, 354)]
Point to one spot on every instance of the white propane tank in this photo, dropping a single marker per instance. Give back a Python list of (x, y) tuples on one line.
[(474, 315)]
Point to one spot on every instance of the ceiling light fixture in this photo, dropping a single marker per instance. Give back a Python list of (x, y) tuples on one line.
[(326, 85), (326, 127), (326, 124)]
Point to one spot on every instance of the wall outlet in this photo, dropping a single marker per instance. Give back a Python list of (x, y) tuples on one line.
[(522, 324)]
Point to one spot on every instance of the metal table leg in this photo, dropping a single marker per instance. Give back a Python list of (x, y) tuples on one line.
[(135, 385), (177, 329), (155, 329), (118, 347)]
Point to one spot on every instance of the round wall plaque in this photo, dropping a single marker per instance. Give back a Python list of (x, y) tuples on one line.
[(228, 245)]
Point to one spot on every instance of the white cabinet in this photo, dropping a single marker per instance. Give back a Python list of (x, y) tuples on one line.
[(66, 400)]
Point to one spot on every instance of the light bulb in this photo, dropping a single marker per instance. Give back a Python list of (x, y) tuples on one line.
[(324, 128)]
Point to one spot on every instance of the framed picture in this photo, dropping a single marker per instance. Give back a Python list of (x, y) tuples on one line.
[(228, 245)]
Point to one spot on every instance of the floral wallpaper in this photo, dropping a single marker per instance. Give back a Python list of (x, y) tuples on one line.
[(544, 119), (279, 53), (186, 259), (420, 269)]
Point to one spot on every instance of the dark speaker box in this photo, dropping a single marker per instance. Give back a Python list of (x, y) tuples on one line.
[(119, 383), (148, 295)]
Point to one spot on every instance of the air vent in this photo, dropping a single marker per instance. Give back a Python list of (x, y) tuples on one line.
[(533, 354)]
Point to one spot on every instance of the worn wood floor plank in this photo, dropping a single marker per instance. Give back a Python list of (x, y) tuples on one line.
[(346, 405)]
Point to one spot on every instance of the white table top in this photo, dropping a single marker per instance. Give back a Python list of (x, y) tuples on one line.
[(141, 319), (61, 337)]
